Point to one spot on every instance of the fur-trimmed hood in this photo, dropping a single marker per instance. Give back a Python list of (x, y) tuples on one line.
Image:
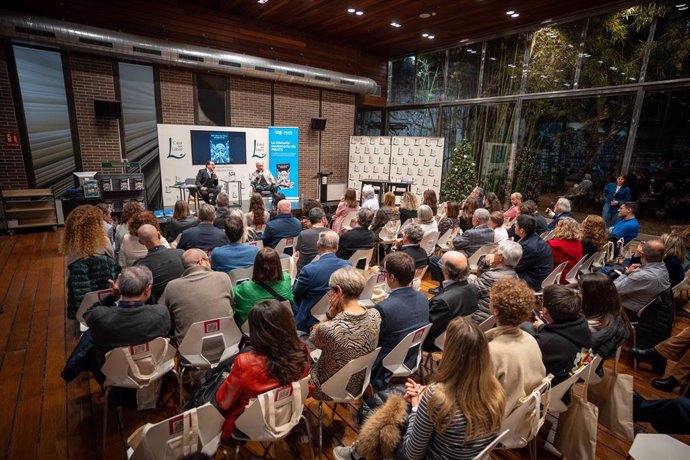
[(383, 430)]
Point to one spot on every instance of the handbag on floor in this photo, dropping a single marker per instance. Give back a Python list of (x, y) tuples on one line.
[(576, 432)]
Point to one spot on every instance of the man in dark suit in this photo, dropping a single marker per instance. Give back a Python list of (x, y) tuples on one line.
[(312, 282), (207, 183), (283, 225), (164, 263), (458, 298), (412, 236), (537, 261), (404, 311), (204, 236), (359, 237)]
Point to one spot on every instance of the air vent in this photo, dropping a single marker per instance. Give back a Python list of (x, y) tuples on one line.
[(29, 30), (264, 69), (295, 74), (347, 82), (320, 78), (189, 57), (93, 41), (230, 64), (153, 52)]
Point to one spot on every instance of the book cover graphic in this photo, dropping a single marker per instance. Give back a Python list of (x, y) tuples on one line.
[(283, 178), (107, 185), (220, 147), (91, 189), (124, 184), (138, 184)]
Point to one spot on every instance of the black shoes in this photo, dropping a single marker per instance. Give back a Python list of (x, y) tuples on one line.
[(668, 384), (651, 355)]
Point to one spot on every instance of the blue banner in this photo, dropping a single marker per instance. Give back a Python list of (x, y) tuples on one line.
[(283, 148)]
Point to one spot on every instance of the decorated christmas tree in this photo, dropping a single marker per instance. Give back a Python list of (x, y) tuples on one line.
[(461, 176)]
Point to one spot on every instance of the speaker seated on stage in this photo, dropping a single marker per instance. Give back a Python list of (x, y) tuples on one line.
[(262, 180), (207, 183)]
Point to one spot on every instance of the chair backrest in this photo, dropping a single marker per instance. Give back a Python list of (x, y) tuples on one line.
[(562, 388), (196, 430), (88, 300), (375, 280), (287, 264), (418, 275), (207, 343), (487, 324), (444, 239), (320, 309), (428, 242), (675, 289), (486, 453), (350, 220), (526, 419), (649, 446), (258, 243), (271, 415), (586, 267), (590, 376), (336, 386), (409, 221), (574, 273), (555, 276), (361, 258), (610, 251), (395, 360), (546, 236), (137, 366), (239, 275), (473, 260), (286, 245)]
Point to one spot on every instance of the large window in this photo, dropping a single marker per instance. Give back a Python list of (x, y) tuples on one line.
[(553, 57), (463, 72), (211, 100), (368, 123), (42, 86), (429, 78), (402, 80), (415, 122), (670, 56), (503, 65)]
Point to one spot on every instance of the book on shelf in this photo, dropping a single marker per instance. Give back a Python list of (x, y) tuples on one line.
[(124, 184), (107, 185), (138, 184), (91, 189)]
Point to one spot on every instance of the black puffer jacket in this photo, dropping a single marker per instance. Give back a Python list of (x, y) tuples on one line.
[(86, 275), (656, 323), (606, 340)]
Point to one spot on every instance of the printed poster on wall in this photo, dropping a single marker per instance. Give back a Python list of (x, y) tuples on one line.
[(283, 147)]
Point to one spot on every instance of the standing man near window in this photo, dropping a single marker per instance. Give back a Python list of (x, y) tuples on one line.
[(207, 183), (262, 180)]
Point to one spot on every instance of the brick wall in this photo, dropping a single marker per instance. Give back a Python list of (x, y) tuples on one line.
[(99, 138), (339, 110), (250, 103), (12, 172), (177, 96)]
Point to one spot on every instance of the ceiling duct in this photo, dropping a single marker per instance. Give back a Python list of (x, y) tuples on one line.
[(21, 28)]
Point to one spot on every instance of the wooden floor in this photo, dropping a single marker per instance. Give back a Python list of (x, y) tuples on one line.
[(43, 417)]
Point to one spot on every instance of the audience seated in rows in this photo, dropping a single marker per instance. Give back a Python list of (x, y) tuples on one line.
[(479, 235), (369, 200), (360, 237), (106, 210), (641, 283), (561, 331), (306, 249), (496, 224), (275, 199), (389, 206), (181, 220), (514, 209), (234, 254), (348, 204), (425, 219), (475, 195), (627, 226), (199, 295), (536, 262), (129, 208), (498, 265), (275, 358), (674, 257), (412, 236), (131, 249), (451, 220), (123, 318), (677, 349), (429, 198), (566, 245), (85, 235), (312, 283), (593, 235), (203, 236), (257, 216), (491, 203), (268, 282), (467, 214), (404, 311), (222, 210), (350, 332), (515, 354), (560, 211), (456, 416), (457, 297), (307, 205), (284, 225), (164, 263), (408, 207), (530, 208)]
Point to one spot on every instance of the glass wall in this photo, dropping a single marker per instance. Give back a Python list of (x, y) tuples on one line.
[(463, 72), (415, 122), (670, 54), (401, 81), (211, 100), (369, 123), (503, 65)]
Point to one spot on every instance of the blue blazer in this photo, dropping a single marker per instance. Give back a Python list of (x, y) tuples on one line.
[(563, 215), (311, 285), (621, 197), (204, 236), (536, 262), (401, 313), (279, 227)]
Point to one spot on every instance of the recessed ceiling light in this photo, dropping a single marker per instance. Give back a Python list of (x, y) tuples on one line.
[(263, 1), (425, 35), (510, 12), (395, 24), (431, 37), (514, 15), (359, 13), (351, 10), (425, 15)]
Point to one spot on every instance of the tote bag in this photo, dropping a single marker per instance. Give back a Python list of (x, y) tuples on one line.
[(576, 433)]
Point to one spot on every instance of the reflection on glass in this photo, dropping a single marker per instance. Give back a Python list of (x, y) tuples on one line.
[(429, 76), (670, 57), (503, 65), (368, 123), (614, 47), (463, 72), (401, 88), (418, 122), (553, 57), (660, 168)]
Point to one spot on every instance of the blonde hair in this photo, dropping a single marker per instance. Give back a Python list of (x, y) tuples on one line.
[(389, 200), (84, 234), (514, 301), (466, 381), (349, 280), (409, 201), (594, 228), (675, 246), (567, 229)]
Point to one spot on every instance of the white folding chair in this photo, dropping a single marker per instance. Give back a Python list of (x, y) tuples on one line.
[(258, 243), (428, 242), (272, 415), (387, 235), (336, 386), (654, 446), (361, 255), (320, 309), (546, 236), (375, 280), (487, 324), (395, 360), (288, 266), (87, 302), (443, 242), (557, 406), (486, 453), (574, 273), (409, 221), (553, 278), (286, 244), (592, 377), (348, 223), (418, 276), (206, 344), (239, 275), (136, 367), (196, 430), (473, 260)]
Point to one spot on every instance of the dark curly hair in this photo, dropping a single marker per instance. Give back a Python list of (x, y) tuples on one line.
[(141, 218)]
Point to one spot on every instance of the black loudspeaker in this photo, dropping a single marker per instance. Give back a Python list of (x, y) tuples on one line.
[(318, 124), (107, 109)]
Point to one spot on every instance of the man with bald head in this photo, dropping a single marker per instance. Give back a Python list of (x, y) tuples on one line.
[(201, 294), (641, 283), (164, 263), (458, 297), (262, 180), (284, 225)]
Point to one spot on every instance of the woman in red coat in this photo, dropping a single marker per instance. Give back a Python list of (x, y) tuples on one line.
[(276, 357), (566, 245)]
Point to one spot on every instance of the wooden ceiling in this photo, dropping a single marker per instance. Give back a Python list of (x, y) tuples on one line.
[(450, 21)]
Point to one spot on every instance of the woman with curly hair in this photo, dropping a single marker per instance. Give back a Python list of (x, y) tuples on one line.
[(408, 207), (131, 249), (257, 217), (492, 203), (429, 199), (515, 354), (566, 245), (468, 208), (128, 210), (593, 234), (348, 204), (84, 235)]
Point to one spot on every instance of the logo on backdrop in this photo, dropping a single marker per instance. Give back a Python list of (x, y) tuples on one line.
[(259, 150), (175, 149)]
